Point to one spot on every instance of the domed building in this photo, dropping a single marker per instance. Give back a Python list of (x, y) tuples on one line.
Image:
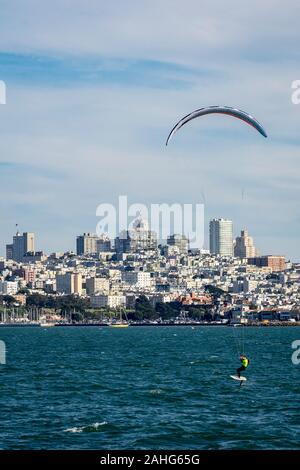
[(138, 238)]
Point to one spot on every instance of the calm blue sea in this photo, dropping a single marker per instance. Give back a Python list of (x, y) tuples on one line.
[(148, 388)]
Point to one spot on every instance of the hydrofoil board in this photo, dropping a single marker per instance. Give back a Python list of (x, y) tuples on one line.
[(241, 379)]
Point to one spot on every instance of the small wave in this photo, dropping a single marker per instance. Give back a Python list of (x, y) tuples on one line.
[(195, 362), (89, 428), (156, 391), (73, 430)]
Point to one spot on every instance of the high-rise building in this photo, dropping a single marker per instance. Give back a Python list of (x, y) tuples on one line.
[(77, 283), (180, 241), (90, 244), (9, 251), (103, 245), (139, 238), (21, 245), (69, 283), (244, 246), (221, 237), (86, 244)]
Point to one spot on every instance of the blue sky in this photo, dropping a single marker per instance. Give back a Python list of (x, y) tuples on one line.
[(94, 88)]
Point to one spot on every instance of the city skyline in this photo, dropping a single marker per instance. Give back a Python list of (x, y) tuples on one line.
[(222, 241), (207, 241)]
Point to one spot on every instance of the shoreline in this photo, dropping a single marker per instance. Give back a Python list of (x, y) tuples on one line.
[(191, 324)]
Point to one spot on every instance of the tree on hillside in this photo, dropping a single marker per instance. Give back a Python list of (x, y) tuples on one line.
[(144, 308)]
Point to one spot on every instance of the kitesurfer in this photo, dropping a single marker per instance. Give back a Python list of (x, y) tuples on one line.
[(245, 363)]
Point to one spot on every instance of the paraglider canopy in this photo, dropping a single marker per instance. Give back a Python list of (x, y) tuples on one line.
[(237, 113)]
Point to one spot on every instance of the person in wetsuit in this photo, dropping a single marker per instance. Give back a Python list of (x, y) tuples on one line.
[(245, 363)]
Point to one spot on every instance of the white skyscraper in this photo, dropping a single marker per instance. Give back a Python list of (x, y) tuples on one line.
[(221, 237)]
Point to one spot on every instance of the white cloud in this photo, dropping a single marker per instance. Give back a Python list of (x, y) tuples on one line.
[(171, 30)]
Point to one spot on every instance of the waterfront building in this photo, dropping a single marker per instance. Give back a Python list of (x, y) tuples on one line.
[(20, 299), (111, 301)]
